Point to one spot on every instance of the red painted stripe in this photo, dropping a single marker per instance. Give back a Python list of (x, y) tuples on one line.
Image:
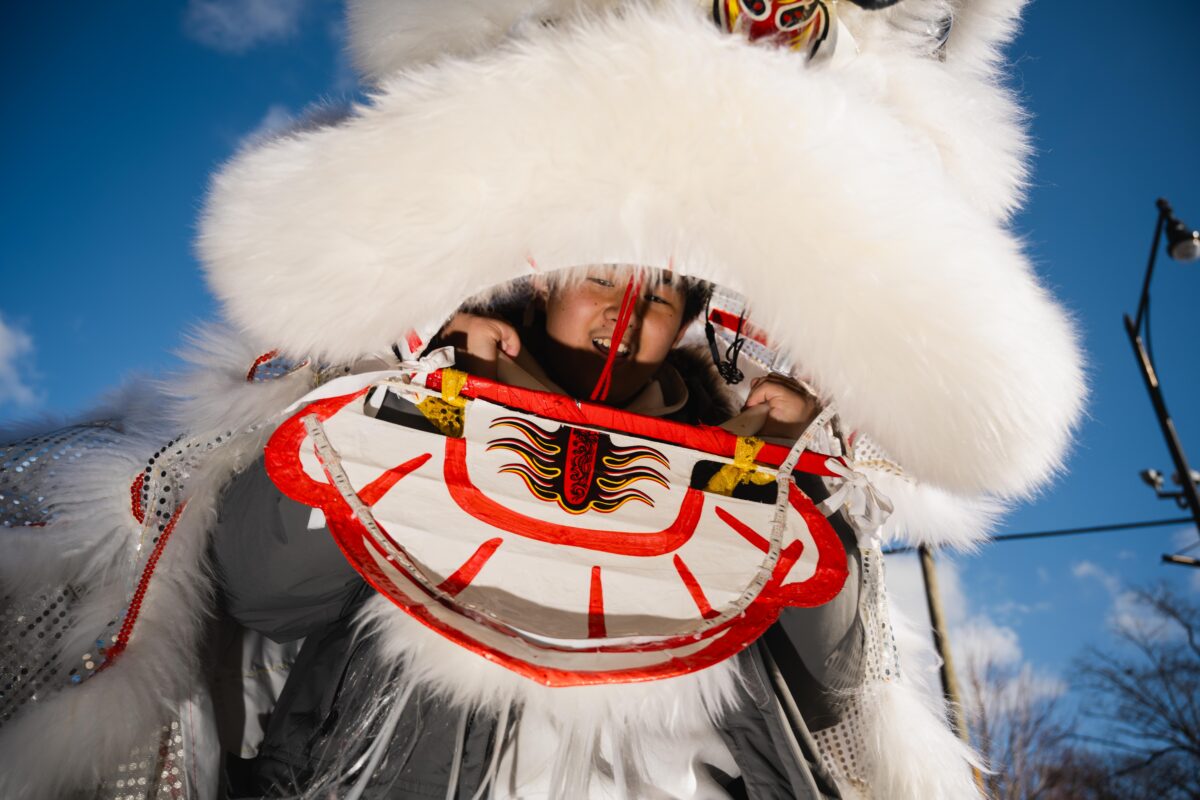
[(413, 341), (282, 454), (693, 587), (374, 491), (463, 576), (746, 532), (730, 322), (560, 408), (596, 628)]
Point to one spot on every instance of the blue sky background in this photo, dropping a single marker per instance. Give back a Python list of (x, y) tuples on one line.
[(119, 112)]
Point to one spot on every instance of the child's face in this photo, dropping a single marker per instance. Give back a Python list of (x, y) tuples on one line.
[(581, 315)]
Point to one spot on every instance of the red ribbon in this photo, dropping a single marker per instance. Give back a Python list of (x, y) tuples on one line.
[(628, 302)]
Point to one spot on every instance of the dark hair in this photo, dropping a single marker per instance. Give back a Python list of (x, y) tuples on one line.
[(509, 301), (696, 294)]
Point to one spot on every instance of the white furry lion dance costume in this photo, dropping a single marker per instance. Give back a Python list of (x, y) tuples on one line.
[(544, 597)]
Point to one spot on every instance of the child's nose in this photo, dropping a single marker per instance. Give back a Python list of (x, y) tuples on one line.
[(617, 300), (612, 313)]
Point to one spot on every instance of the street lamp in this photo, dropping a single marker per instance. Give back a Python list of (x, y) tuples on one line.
[(1183, 244)]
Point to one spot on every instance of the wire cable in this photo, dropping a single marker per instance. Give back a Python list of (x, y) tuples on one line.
[(1118, 526)]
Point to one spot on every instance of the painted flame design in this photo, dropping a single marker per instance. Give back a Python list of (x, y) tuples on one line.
[(579, 469)]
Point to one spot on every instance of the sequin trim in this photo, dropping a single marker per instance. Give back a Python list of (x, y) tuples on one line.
[(270, 366), (157, 770), (843, 746), (139, 594), (29, 471), (31, 634), (137, 498)]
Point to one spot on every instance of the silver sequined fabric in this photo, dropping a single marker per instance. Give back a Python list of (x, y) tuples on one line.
[(156, 770), (35, 480), (843, 746), (39, 487), (31, 633), (32, 471)]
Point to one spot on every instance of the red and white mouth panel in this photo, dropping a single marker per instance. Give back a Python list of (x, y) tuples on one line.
[(569, 553)]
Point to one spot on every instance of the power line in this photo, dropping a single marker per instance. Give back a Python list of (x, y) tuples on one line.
[(1119, 526)]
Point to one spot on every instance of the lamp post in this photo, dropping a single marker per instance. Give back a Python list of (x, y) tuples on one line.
[(1183, 244)]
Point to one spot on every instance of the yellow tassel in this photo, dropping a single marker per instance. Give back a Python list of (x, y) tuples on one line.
[(743, 469)]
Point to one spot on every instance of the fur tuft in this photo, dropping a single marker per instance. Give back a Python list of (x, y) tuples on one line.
[(89, 542), (213, 393), (45, 758), (387, 36), (932, 516), (950, 354), (910, 746), (912, 751), (467, 680)]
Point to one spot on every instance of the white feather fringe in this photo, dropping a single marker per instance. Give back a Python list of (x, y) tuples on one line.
[(912, 751), (466, 679), (72, 738)]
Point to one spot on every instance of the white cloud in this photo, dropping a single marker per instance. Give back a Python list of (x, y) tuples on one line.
[(277, 118), (1128, 613), (1088, 569), (15, 346), (980, 641), (977, 641), (235, 26)]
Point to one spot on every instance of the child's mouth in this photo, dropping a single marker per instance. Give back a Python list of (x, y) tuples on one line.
[(605, 344)]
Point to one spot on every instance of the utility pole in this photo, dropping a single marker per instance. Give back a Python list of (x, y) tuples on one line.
[(1182, 469), (1183, 244), (941, 643)]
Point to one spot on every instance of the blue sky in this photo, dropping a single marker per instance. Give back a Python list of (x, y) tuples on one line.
[(118, 117)]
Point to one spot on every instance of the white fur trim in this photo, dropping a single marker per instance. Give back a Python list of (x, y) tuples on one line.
[(390, 35), (911, 746), (71, 739), (213, 393), (929, 515), (912, 752), (654, 139), (469, 680), (956, 94)]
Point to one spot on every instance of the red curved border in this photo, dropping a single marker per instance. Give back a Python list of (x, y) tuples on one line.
[(282, 457), (830, 574)]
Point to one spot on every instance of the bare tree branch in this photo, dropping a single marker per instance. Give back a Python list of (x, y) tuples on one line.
[(1145, 693)]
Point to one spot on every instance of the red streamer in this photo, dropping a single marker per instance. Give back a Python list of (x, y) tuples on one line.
[(628, 302)]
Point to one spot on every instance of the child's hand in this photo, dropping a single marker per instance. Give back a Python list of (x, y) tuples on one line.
[(789, 407), (478, 341)]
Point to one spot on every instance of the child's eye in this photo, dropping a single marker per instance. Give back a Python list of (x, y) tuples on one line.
[(605, 282), (653, 298)]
